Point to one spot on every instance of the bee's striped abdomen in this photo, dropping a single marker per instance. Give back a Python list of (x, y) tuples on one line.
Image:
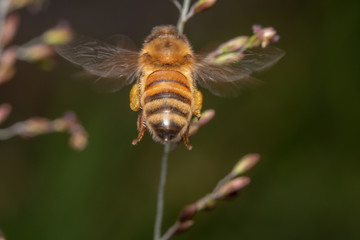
[(167, 101)]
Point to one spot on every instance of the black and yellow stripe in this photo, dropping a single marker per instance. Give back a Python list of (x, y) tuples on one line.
[(167, 101)]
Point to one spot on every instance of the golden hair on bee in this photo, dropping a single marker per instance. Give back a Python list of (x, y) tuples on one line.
[(167, 47), (166, 74)]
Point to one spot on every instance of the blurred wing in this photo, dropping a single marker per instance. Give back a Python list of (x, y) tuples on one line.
[(259, 59), (117, 64), (228, 79), (221, 80), (123, 41)]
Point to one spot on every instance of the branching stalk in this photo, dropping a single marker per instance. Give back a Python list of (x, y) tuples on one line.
[(221, 183), (170, 232), (183, 15), (226, 188), (177, 4)]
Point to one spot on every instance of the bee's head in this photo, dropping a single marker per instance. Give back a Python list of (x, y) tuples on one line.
[(166, 46)]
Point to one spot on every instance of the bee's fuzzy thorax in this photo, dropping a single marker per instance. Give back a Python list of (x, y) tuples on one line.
[(166, 47)]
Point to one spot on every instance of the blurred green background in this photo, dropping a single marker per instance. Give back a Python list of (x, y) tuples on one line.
[(304, 121)]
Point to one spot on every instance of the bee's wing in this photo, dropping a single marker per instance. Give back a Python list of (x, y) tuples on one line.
[(113, 62), (123, 41), (227, 79)]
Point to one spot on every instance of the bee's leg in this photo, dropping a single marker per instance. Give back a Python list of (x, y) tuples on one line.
[(141, 126), (135, 98), (198, 101), (185, 139)]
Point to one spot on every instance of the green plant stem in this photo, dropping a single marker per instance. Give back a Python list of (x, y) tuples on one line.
[(183, 15), (177, 4), (221, 183), (170, 232), (161, 191)]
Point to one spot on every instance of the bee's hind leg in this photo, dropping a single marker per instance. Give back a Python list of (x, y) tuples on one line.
[(135, 98), (141, 126), (198, 101), (185, 139)]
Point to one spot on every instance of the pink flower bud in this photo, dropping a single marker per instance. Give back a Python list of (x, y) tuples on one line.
[(265, 35), (7, 69), (8, 57), (2, 237), (234, 44), (5, 110), (79, 140), (206, 117), (9, 29), (233, 186), (202, 5), (229, 58), (246, 163), (188, 212)]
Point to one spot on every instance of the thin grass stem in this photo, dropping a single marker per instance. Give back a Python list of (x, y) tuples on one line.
[(161, 191)]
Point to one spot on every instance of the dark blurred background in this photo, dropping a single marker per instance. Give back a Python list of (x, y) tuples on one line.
[(304, 121)]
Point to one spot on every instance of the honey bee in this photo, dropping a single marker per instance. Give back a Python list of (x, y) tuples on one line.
[(166, 73)]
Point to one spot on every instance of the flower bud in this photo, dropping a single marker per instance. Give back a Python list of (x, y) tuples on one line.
[(265, 35), (79, 140), (7, 60), (58, 35), (233, 186), (8, 57), (234, 44), (9, 29), (69, 117), (5, 110), (229, 58), (188, 212), (202, 5), (245, 163), (79, 136), (229, 51), (2, 237), (206, 117)]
